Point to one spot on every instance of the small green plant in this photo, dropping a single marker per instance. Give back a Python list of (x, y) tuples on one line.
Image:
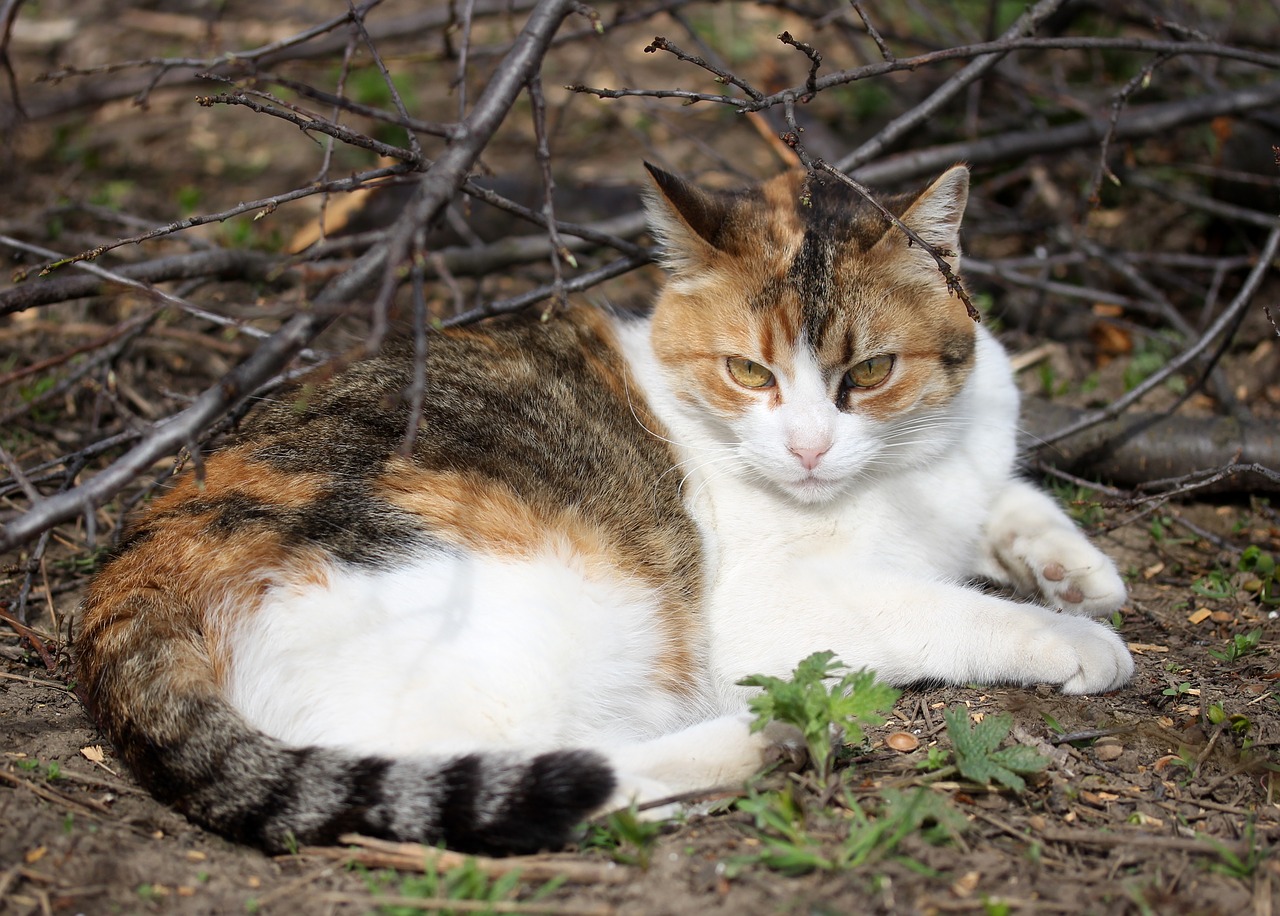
[(1217, 584), (789, 848), (1240, 865), (901, 814), (992, 907), (935, 759), (627, 838), (1178, 689), (823, 712), (1080, 504), (979, 756), (1238, 646), (1148, 358), (1238, 723), (1262, 569), (465, 882)]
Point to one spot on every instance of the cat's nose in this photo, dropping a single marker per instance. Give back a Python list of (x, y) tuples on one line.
[(809, 457)]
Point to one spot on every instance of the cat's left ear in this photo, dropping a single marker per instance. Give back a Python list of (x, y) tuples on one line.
[(935, 216), (688, 221)]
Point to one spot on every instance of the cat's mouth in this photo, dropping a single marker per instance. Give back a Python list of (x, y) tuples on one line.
[(812, 487)]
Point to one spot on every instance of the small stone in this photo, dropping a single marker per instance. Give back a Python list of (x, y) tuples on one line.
[(1109, 751)]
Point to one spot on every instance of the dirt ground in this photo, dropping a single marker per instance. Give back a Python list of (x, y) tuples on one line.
[(1149, 806), (1163, 797)]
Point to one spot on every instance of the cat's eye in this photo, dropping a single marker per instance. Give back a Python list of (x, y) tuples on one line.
[(749, 374), (869, 372)]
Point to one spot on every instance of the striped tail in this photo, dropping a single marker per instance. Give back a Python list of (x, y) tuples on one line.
[(155, 696)]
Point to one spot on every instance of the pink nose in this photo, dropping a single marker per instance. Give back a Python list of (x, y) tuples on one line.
[(809, 457)]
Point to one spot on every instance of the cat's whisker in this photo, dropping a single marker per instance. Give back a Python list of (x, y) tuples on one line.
[(626, 385)]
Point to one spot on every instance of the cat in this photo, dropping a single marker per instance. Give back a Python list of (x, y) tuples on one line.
[(605, 522)]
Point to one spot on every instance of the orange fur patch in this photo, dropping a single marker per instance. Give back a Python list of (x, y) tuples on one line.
[(484, 515)]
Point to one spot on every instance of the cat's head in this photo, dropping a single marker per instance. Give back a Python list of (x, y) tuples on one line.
[(805, 332)]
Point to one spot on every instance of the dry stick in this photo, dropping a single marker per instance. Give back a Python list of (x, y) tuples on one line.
[(542, 153), (524, 300), (344, 70), (145, 288), (450, 905), (418, 388), (998, 46), (885, 53), (88, 807), (169, 435), (1140, 121), (815, 61), (7, 460), (181, 71), (464, 52), (308, 123), (1225, 320), (105, 355), (252, 55), (340, 102), (1221, 389), (1202, 202), (1026, 24), (239, 264), (357, 22), (1140, 81), (8, 16), (417, 857), (435, 189), (1205, 846), (264, 204), (722, 75), (121, 329), (441, 182)]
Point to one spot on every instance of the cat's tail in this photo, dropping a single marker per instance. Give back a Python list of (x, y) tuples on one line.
[(151, 684)]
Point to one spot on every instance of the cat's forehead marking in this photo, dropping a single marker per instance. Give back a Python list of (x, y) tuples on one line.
[(821, 225)]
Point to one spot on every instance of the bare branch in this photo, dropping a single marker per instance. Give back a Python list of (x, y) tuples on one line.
[(1177, 364)]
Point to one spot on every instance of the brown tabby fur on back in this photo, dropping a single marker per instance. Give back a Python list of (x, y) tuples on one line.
[(532, 439)]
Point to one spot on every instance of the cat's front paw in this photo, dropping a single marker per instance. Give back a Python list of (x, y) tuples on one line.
[(1067, 571), (1083, 656)]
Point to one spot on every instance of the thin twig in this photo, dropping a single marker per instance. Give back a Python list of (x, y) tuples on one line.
[(1175, 365), (885, 53)]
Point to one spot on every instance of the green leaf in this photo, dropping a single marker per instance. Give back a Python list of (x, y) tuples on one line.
[(978, 756), (822, 707)]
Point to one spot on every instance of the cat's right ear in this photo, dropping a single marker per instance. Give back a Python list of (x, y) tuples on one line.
[(688, 221)]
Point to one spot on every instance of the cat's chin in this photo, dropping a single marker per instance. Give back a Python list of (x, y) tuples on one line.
[(811, 489)]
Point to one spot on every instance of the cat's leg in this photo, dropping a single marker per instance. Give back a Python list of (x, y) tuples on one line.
[(908, 629), (1031, 544), (720, 752)]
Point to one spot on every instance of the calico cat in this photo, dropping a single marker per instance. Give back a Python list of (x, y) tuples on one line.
[(604, 523)]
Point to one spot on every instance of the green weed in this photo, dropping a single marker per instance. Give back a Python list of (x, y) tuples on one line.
[(1238, 646), (465, 882), (1079, 503), (1262, 569), (1216, 584), (1239, 865), (979, 756), (823, 712), (788, 847), (625, 837)]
